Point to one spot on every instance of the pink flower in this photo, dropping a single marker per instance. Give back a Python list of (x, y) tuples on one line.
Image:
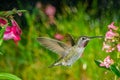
[(50, 10), (110, 34), (107, 47), (110, 50), (107, 62), (111, 26), (3, 21), (59, 36), (12, 32), (118, 47)]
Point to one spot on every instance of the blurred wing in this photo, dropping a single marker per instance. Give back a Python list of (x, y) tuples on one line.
[(70, 40), (53, 45)]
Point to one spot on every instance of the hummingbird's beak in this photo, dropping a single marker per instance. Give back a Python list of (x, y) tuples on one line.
[(96, 37)]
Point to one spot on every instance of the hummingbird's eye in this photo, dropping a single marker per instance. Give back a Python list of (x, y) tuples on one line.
[(83, 38)]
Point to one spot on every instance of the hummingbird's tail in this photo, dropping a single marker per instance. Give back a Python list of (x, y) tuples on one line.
[(56, 63)]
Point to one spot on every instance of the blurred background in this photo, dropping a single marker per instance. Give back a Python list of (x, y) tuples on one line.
[(48, 18)]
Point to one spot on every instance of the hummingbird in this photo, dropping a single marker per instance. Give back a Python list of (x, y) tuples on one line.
[(69, 54)]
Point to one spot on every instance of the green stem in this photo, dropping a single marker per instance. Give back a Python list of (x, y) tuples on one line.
[(115, 77), (118, 55), (8, 13)]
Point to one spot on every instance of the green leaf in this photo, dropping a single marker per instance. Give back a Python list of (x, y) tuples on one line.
[(115, 70), (97, 62), (8, 76), (1, 34), (1, 53)]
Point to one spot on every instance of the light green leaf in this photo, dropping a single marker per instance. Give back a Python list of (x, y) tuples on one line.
[(8, 76), (1, 34)]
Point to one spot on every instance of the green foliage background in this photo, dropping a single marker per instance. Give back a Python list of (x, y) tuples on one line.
[(30, 61)]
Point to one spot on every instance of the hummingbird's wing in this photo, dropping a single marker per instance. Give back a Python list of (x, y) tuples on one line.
[(53, 45), (70, 40)]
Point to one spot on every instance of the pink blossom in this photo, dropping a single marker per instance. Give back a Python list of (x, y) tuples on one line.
[(107, 62), (3, 21), (111, 26), (12, 32), (107, 47), (118, 47), (50, 10), (110, 34), (110, 50), (59, 36)]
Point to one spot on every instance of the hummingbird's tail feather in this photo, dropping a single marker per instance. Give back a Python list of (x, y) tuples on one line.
[(51, 66), (54, 64)]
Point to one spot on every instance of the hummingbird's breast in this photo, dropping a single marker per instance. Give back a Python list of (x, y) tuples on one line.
[(73, 55)]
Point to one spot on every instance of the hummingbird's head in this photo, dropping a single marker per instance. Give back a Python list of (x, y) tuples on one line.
[(83, 40)]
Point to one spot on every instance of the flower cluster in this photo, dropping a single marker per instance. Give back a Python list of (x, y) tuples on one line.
[(107, 62), (12, 31), (111, 39)]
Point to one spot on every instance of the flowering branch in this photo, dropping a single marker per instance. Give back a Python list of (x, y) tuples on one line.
[(12, 31), (110, 44), (9, 32)]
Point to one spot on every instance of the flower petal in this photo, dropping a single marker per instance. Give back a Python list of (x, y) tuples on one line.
[(107, 62), (118, 47), (111, 26), (110, 34), (59, 36), (13, 32), (3, 21), (16, 26)]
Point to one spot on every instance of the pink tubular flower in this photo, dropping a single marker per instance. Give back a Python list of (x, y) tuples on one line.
[(59, 36), (107, 62), (111, 26), (3, 21), (118, 47), (110, 34), (12, 32)]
